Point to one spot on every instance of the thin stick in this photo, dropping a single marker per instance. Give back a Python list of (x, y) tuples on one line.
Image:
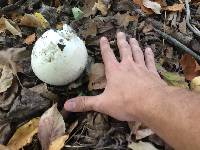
[(191, 27), (178, 44)]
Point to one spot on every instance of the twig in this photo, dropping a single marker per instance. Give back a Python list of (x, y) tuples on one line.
[(177, 44), (191, 27), (12, 7)]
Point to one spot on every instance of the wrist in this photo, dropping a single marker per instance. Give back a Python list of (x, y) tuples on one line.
[(154, 98)]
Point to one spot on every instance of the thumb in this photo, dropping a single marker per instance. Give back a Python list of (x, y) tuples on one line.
[(81, 104)]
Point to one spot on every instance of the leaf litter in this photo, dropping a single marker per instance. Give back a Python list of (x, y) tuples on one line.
[(27, 98)]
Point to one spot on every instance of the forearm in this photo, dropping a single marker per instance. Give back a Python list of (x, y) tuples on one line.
[(175, 116)]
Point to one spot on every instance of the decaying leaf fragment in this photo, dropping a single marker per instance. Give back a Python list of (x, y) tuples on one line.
[(124, 19), (6, 77), (58, 143), (24, 135), (97, 78), (152, 5), (51, 126)]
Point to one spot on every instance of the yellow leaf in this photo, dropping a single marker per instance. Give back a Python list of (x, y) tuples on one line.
[(58, 143), (44, 23), (24, 135), (195, 84)]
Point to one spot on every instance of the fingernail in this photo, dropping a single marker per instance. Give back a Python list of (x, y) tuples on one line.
[(103, 38), (70, 105)]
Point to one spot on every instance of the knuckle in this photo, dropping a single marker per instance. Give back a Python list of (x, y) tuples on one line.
[(83, 103)]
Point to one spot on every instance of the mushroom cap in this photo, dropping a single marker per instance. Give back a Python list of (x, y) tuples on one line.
[(59, 57)]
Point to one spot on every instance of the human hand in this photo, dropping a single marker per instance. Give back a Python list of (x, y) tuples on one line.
[(131, 83)]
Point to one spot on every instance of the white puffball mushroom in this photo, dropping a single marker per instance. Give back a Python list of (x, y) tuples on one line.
[(59, 57)]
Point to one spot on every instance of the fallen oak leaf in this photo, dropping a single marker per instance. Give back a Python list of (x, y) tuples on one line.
[(58, 143), (51, 126), (97, 78), (24, 135)]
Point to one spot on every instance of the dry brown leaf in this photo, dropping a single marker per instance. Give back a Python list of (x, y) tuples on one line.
[(175, 7), (102, 7), (24, 135), (97, 78), (34, 20), (51, 126), (43, 91), (9, 25), (124, 19), (154, 6), (190, 67), (6, 77), (91, 29), (58, 143), (30, 39), (30, 20)]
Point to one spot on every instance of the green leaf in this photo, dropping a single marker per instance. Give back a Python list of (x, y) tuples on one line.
[(172, 78), (78, 14)]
